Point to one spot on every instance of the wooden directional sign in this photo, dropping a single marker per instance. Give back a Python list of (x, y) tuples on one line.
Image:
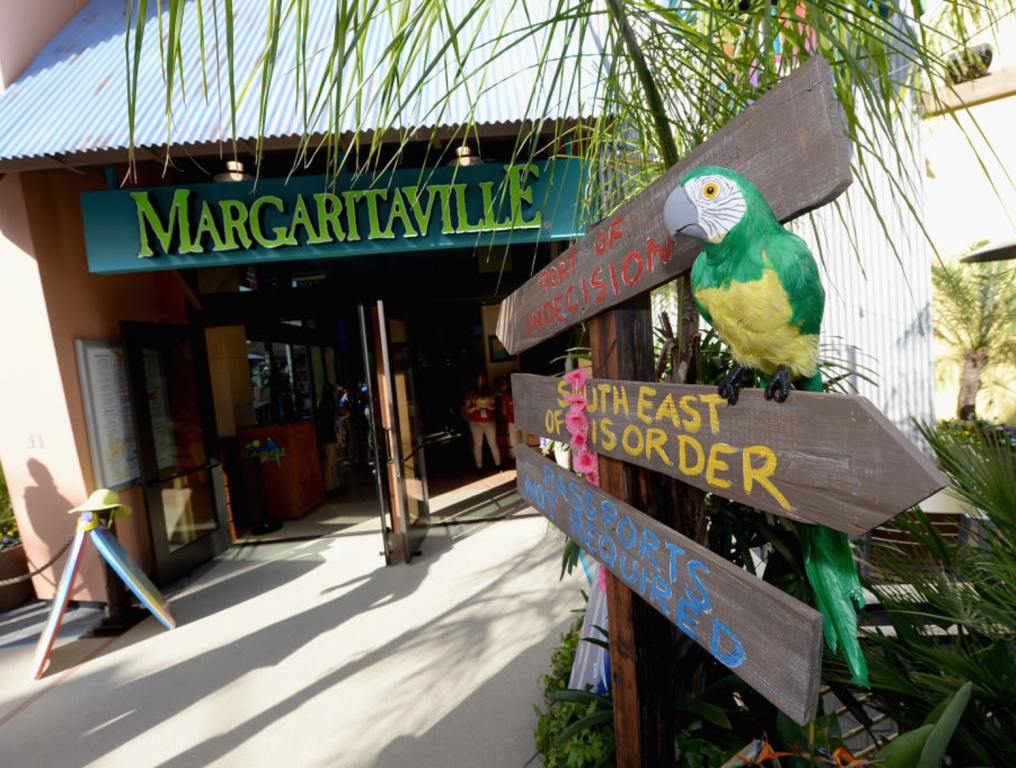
[(790, 143), (769, 639), (818, 458)]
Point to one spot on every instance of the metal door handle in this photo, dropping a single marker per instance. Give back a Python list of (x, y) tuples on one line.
[(208, 467), (444, 436), (390, 444)]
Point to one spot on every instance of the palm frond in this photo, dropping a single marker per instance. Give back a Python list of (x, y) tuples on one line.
[(646, 81)]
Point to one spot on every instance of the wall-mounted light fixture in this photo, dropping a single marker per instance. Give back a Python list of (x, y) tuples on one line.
[(464, 156), (234, 172)]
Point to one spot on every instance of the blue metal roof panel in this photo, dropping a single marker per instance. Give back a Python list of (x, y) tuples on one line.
[(72, 98)]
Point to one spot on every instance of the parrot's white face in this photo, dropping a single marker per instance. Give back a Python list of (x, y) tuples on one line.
[(719, 203)]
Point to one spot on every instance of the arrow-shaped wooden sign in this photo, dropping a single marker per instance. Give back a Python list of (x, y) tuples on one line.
[(790, 144), (769, 639), (818, 458)]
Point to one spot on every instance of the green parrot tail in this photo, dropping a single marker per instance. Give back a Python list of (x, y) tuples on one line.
[(830, 567), (812, 383)]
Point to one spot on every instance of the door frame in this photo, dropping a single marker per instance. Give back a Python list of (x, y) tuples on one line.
[(173, 565), (410, 535), (377, 432)]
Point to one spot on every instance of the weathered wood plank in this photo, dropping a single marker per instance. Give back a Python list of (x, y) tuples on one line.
[(818, 458), (769, 639), (790, 144), (641, 644)]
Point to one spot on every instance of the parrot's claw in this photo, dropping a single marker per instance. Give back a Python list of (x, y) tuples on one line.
[(779, 388), (730, 387)]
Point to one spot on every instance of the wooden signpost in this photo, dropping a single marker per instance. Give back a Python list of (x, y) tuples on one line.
[(738, 618), (817, 458), (854, 473)]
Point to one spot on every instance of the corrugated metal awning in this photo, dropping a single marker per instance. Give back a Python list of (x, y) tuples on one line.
[(72, 100)]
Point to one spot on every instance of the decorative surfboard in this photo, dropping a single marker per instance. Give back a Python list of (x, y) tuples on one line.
[(126, 569), (59, 606)]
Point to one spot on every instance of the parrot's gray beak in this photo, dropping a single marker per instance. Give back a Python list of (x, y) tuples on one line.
[(680, 215)]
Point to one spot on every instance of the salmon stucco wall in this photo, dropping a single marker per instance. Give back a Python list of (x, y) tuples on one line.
[(26, 28), (48, 299)]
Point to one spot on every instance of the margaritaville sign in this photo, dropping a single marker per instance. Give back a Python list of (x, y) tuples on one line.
[(316, 217)]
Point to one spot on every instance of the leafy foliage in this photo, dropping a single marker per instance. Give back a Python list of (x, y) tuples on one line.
[(822, 744), (976, 308), (975, 314), (954, 25), (576, 727), (644, 81), (9, 534), (951, 604)]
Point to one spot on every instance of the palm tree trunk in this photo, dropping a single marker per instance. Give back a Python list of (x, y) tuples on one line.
[(974, 364)]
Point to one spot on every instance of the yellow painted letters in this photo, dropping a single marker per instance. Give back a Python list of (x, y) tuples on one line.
[(761, 475), (684, 442), (644, 403), (716, 464), (656, 439), (714, 418), (694, 421), (632, 440)]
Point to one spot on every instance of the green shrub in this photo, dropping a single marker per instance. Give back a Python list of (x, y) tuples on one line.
[(968, 431), (9, 535), (576, 728), (953, 611)]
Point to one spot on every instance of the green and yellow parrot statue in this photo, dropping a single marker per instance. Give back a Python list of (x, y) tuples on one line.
[(758, 285)]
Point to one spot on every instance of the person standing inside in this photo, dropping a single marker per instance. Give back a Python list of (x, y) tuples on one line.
[(327, 412), (480, 410), (506, 407)]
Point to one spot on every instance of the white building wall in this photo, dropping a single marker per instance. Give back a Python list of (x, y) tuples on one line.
[(878, 290)]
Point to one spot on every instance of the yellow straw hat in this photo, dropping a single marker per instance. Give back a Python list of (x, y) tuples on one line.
[(103, 500)]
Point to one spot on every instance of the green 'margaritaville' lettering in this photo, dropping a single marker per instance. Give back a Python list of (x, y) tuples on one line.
[(269, 221)]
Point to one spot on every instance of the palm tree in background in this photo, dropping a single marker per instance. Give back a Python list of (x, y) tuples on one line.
[(975, 314)]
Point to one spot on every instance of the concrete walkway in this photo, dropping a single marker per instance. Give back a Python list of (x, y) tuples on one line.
[(311, 653)]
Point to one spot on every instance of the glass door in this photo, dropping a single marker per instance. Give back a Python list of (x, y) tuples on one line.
[(402, 436), (174, 427), (377, 450)]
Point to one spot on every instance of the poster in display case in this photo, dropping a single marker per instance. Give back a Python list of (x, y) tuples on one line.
[(102, 368)]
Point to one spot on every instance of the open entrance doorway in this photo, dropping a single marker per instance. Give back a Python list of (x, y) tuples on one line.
[(304, 451), (397, 343), (351, 412), (403, 425), (469, 471)]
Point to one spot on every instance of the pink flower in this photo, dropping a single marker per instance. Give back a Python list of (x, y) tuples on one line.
[(577, 401), (579, 442), (584, 462), (601, 580), (593, 478), (577, 379), (576, 423)]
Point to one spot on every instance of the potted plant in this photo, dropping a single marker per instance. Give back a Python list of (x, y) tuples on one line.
[(13, 562)]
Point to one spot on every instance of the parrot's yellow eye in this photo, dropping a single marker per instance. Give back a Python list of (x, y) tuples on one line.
[(710, 190)]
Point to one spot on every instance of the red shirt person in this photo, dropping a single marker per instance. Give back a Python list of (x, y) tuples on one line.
[(481, 411), (506, 406)]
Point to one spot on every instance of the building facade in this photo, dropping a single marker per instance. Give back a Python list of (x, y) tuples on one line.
[(174, 325)]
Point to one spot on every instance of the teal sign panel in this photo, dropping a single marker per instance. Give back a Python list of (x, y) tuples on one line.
[(322, 217)]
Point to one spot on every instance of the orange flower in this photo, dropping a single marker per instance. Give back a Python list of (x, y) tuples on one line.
[(762, 751)]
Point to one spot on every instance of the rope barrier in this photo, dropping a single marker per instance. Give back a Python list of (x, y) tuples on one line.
[(40, 569)]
